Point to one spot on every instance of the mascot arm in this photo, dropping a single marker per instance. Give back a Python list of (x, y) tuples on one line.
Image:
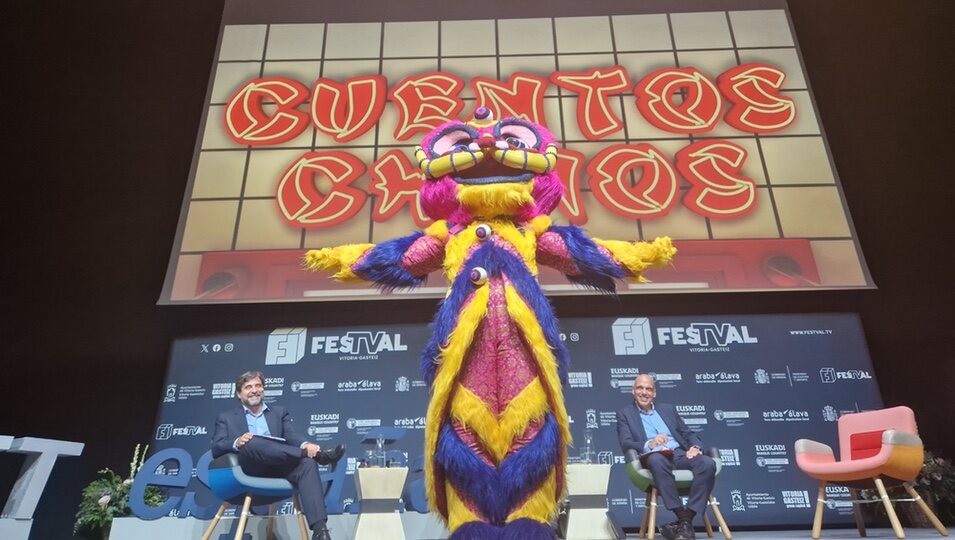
[(400, 263), (597, 263)]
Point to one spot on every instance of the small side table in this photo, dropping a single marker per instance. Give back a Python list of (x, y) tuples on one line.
[(587, 490), (379, 490)]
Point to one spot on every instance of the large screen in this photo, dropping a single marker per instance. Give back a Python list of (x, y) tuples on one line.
[(750, 385), (699, 124)]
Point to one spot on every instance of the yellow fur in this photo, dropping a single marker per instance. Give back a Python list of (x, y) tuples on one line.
[(491, 200), (540, 505), (438, 229), (458, 511), (498, 434), (541, 351), (452, 356), (524, 241), (540, 224), (337, 259), (637, 256)]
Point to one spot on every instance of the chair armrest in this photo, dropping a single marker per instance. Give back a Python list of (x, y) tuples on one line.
[(226, 461), (900, 438), (806, 446), (631, 455)]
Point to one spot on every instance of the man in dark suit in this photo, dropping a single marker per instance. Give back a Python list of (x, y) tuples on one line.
[(664, 443), (267, 445)]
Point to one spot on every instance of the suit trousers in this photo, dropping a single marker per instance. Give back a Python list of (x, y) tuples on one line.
[(704, 478), (273, 459)]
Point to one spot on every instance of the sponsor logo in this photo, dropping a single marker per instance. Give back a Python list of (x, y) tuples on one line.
[(622, 378), (761, 376), (417, 422), (737, 497), (796, 499), (732, 418), (718, 377), (285, 346), (402, 384), (632, 336), (693, 415), (829, 413), (358, 344), (356, 423), (167, 431), (729, 457), (830, 375), (223, 390), (580, 379), (607, 457), (786, 415), (364, 385), (772, 457), (170, 396), (315, 431), (327, 418), (706, 337), (297, 386), (592, 419), (666, 380)]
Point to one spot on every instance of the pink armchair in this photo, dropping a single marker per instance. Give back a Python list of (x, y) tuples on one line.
[(877, 448)]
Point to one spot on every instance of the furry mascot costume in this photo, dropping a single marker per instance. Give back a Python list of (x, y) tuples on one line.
[(497, 431)]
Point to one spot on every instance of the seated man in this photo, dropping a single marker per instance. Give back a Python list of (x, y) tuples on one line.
[(267, 445), (665, 443)]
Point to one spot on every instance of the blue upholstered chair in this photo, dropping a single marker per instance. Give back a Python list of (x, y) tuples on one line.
[(643, 480), (233, 486)]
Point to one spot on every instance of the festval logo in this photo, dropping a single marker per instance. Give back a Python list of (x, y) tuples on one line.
[(632, 336), (286, 346)]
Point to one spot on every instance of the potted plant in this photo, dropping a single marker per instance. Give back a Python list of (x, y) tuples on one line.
[(107, 497), (935, 484)]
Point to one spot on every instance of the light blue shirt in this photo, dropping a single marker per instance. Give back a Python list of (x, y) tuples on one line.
[(256, 422), (654, 425)]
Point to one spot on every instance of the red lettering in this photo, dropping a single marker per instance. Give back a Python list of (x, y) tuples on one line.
[(304, 205), (718, 190), (396, 183), (595, 118), (345, 111), (757, 107), (522, 96), (653, 194), (425, 101), (249, 122), (569, 164), (658, 92)]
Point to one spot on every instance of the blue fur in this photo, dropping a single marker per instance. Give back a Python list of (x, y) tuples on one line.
[(474, 478), (496, 492), (382, 264), (527, 529), (476, 530), (522, 472), (444, 322), (597, 271)]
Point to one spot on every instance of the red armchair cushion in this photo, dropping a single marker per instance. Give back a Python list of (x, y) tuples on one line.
[(865, 444)]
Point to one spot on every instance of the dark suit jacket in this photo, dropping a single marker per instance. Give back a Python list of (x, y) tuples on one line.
[(231, 424), (632, 436)]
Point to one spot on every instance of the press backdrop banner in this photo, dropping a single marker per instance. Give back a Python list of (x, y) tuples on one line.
[(750, 385), (694, 120)]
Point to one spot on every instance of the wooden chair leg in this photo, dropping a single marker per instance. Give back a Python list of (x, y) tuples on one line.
[(301, 517), (926, 510), (707, 526), (857, 511), (269, 529), (820, 506), (646, 517), (652, 526), (243, 517), (893, 518), (724, 528), (215, 521)]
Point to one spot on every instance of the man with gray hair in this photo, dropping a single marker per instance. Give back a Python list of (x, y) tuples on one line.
[(664, 443), (267, 445)]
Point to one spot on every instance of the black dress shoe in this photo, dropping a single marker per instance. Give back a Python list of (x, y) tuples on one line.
[(669, 531), (328, 457), (321, 533)]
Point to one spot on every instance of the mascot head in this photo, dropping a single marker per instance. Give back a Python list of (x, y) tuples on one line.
[(488, 169)]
